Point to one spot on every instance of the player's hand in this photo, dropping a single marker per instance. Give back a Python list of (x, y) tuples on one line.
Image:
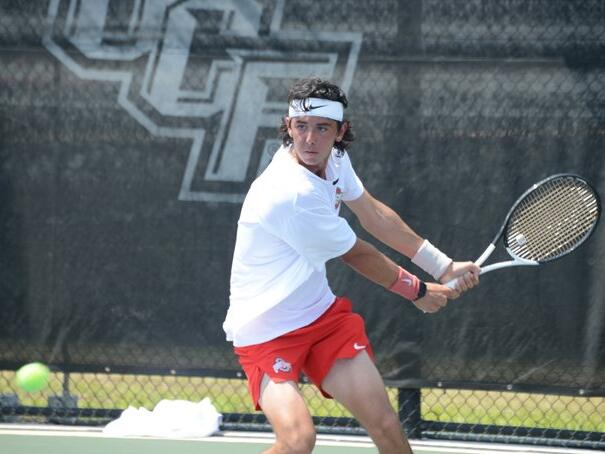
[(467, 274), (435, 298)]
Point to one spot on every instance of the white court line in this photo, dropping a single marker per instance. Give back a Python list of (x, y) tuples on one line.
[(223, 437), (491, 448), (419, 446)]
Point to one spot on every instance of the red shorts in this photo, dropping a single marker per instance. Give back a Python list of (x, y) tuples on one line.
[(312, 349)]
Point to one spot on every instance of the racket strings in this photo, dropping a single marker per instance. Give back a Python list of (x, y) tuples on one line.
[(565, 220), (552, 220), (555, 220), (552, 234)]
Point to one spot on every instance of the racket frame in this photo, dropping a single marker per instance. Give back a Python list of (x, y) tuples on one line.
[(518, 261)]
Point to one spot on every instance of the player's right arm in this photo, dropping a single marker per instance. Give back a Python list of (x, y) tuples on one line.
[(377, 267)]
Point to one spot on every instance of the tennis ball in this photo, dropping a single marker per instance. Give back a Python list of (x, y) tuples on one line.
[(33, 377)]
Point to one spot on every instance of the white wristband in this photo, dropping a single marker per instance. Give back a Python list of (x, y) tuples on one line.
[(431, 260)]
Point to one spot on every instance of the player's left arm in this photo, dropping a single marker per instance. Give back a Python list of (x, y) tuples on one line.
[(383, 223)]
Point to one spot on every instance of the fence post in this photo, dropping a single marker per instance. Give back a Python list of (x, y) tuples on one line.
[(408, 404)]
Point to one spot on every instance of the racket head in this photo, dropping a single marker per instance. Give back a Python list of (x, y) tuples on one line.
[(552, 219)]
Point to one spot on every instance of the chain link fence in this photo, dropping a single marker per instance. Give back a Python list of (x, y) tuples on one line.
[(130, 130)]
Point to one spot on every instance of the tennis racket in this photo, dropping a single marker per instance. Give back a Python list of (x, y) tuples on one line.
[(550, 220)]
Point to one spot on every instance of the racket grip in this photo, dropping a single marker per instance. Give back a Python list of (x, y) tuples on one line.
[(452, 284)]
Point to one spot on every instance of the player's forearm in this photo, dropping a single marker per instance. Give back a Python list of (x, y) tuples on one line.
[(374, 265), (388, 227), (371, 263)]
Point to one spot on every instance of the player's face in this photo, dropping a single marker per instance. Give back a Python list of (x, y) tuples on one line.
[(313, 139)]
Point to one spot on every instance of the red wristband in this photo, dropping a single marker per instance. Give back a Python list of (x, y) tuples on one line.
[(406, 285)]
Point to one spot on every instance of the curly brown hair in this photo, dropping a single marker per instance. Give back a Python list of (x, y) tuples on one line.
[(314, 87)]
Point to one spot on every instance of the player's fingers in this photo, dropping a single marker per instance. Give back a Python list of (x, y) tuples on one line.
[(452, 293), (447, 292), (467, 281), (461, 285), (472, 279), (442, 301), (470, 267), (425, 305), (437, 303)]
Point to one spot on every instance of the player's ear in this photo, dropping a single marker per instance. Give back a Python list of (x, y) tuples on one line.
[(342, 131), (288, 123)]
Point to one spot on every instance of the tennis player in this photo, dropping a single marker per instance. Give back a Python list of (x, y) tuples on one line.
[(283, 318)]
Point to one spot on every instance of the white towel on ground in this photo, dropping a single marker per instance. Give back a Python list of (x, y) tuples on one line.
[(169, 418)]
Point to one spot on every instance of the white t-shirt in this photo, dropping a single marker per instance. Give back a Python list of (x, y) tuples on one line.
[(288, 229)]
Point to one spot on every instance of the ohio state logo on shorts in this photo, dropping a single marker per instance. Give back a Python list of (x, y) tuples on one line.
[(281, 366)]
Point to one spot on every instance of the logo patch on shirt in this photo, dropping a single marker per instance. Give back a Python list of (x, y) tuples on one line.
[(338, 197), (281, 366)]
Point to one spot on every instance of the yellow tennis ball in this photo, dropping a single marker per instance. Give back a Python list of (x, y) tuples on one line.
[(33, 377)]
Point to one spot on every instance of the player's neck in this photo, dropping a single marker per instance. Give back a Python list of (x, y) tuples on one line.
[(317, 169), (320, 171)]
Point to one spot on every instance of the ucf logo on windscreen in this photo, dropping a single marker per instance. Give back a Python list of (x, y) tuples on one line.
[(211, 72)]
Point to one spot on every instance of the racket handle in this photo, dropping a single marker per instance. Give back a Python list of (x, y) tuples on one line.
[(451, 284), (488, 251)]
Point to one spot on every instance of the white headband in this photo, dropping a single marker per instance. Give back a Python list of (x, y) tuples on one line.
[(316, 107)]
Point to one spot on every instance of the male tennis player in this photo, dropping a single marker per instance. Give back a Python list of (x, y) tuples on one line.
[(283, 319)]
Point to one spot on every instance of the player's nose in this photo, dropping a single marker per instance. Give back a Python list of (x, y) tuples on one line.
[(310, 138)]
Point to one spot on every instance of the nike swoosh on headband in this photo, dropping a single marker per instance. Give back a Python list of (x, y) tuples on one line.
[(317, 107)]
